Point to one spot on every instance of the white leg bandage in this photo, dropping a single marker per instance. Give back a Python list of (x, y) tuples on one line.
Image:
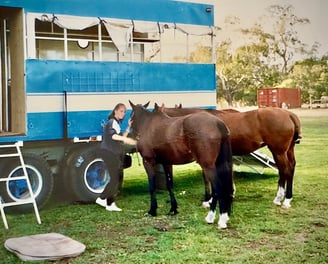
[(280, 195), (222, 223), (207, 204), (286, 203), (210, 217)]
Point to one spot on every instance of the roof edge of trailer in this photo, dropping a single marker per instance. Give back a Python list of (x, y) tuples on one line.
[(146, 10)]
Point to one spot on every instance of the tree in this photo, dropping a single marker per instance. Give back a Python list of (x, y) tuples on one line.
[(241, 72), (266, 60), (311, 75), (281, 44)]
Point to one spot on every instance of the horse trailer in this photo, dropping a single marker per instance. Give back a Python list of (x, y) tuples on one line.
[(64, 65)]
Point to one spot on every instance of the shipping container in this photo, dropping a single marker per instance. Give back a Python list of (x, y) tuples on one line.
[(279, 97)]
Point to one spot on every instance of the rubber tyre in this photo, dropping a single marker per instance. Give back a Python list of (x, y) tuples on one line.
[(86, 174), (41, 180)]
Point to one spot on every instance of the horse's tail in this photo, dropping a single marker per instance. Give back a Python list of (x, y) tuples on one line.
[(225, 175), (297, 125)]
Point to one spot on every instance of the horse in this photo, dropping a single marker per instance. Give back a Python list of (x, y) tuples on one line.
[(199, 137), (276, 128)]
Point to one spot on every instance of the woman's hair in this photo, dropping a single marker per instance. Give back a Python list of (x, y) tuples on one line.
[(118, 106)]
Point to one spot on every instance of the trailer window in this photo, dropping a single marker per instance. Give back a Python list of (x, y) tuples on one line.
[(50, 49), (103, 39), (91, 44)]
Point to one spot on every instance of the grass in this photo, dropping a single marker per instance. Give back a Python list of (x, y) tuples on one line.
[(258, 232)]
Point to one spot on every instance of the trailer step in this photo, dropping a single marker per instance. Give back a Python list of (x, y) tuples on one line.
[(256, 159)]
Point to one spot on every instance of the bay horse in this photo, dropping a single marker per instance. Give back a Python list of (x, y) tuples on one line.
[(199, 137), (276, 128)]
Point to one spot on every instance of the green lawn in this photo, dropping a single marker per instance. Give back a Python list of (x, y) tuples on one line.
[(258, 231)]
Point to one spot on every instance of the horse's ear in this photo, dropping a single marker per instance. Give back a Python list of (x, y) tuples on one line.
[(162, 108), (179, 106), (146, 105), (132, 105), (156, 106)]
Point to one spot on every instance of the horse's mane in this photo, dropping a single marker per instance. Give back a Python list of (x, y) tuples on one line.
[(210, 110)]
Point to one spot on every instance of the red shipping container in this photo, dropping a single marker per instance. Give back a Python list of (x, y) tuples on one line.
[(279, 97)]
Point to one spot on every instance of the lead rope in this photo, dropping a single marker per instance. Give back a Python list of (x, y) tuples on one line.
[(138, 157), (137, 152)]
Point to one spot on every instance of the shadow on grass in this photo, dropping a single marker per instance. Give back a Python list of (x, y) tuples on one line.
[(193, 179), (190, 179)]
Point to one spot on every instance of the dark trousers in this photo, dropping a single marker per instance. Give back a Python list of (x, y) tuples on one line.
[(114, 164)]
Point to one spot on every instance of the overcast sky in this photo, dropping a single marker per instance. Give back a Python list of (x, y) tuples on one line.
[(249, 12)]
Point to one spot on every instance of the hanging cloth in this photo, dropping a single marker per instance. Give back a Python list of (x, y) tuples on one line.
[(75, 23), (121, 34)]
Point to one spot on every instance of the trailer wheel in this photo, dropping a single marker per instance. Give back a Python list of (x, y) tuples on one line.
[(87, 175), (40, 177)]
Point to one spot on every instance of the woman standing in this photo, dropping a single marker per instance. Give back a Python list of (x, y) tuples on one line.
[(112, 152)]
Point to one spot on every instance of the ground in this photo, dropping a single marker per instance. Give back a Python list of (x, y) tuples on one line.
[(299, 111), (310, 112)]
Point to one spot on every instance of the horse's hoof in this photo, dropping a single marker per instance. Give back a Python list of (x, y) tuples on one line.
[(172, 213), (150, 214), (222, 225)]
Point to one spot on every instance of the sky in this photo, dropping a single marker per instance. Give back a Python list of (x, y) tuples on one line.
[(249, 12)]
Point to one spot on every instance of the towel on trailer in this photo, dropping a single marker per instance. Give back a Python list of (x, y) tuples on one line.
[(50, 246)]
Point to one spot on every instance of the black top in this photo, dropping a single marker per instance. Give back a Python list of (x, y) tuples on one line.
[(111, 128)]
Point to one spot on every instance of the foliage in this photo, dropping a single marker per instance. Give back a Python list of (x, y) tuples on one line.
[(311, 75), (258, 232), (268, 59), (240, 74), (203, 55), (280, 45)]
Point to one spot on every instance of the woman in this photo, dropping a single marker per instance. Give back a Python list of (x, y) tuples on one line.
[(112, 152)]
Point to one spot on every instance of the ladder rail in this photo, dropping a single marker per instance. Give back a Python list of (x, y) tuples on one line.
[(31, 199)]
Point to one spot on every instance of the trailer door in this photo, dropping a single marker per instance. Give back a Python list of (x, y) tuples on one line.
[(12, 90)]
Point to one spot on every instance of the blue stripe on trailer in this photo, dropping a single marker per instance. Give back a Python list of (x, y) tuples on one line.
[(51, 76), (50, 125), (40, 126), (149, 10)]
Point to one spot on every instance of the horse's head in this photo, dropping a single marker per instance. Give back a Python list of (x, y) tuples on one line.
[(138, 117)]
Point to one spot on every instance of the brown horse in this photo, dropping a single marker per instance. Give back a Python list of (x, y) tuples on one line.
[(199, 137), (275, 128)]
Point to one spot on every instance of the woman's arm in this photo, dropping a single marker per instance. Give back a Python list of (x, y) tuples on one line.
[(127, 131), (124, 139)]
